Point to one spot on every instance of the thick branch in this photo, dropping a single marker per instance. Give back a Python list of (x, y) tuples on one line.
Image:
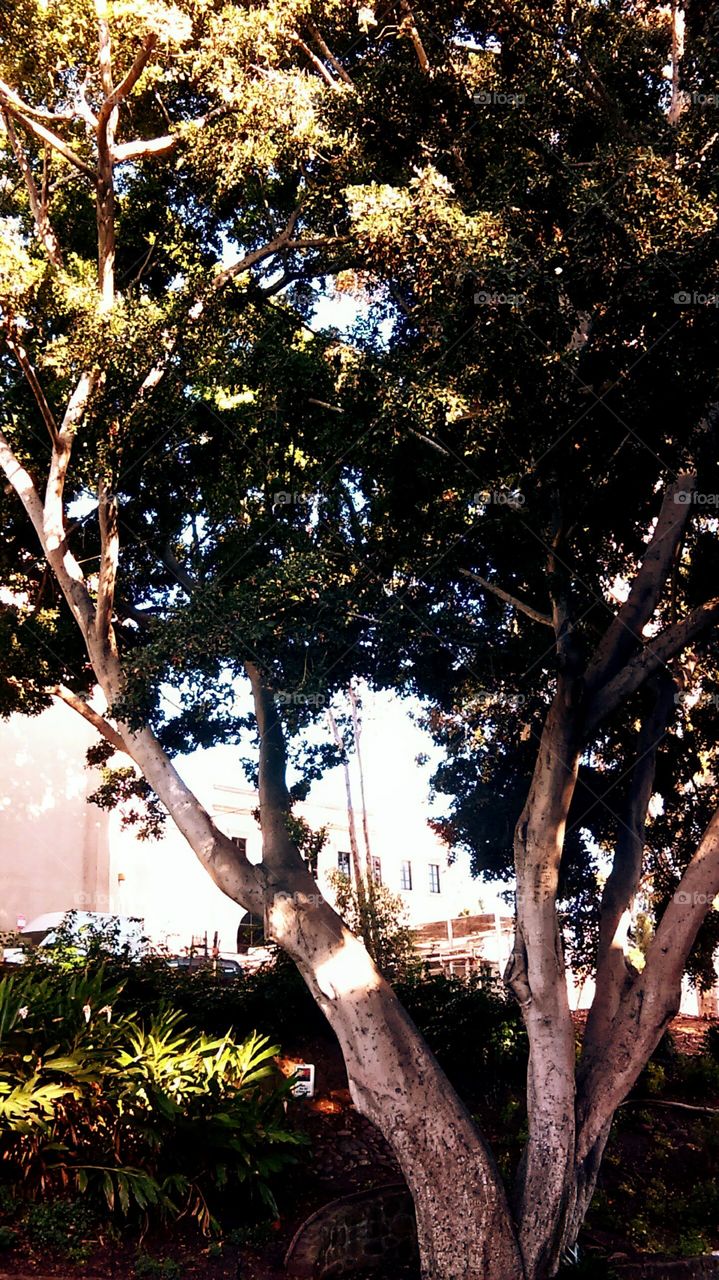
[(138, 149), (15, 103), (514, 601), (656, 653), (53, 537), (539, 979), (46, 135), (316, 63), (128, 82), (625, 630), (278, 850), (98, 722), (408, 27), (173, 564), (167, 142), (654, 996), (281, 244), (61, 561), (679, 99)]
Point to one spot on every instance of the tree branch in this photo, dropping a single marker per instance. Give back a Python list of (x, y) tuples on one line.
[(679, 100), (38, 204), (109, 553), (128, 82), (408, 27), (316, 62), (613, 972), (139, 149), (15, 103), (656, 653), (625, 630), (52, 530), (44, 134), (278, 849), (33, 382), (98, 722), (654, 996), (514, 601), (333, 61), (173, 564)]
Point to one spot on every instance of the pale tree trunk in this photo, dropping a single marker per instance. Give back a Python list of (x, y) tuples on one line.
[(537, 975), (464, 1226)]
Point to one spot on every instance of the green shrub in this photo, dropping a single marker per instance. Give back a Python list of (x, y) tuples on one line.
[(8, 1237), (61, 1228), (164, 1268), (475, 1030), (146, 1115), (711, 1042)]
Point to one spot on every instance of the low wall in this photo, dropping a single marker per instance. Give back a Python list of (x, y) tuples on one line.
[(360, 1232), (702, 1268)]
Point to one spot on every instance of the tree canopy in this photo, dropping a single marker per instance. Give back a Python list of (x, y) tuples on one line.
[(503, 193)]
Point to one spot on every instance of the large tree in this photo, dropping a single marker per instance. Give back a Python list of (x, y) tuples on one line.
[(495, 495)]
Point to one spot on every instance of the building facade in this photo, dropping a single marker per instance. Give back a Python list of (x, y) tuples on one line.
[(59, 852)]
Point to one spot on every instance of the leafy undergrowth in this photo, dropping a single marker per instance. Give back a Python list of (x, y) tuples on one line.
[(140, 1117), (658, 1191)]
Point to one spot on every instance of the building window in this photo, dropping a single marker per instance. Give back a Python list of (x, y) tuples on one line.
[(405, 875), (377, 870), (343, 863), (240, 843), (434, 877)]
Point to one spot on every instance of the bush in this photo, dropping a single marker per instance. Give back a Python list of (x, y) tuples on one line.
[(711, 1042), (146, 1115), (475, 1030)]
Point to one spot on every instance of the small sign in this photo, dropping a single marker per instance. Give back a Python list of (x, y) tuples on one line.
[(20, 923), (304, 1081)]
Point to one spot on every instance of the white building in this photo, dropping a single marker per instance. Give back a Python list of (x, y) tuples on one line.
[(58, 851)]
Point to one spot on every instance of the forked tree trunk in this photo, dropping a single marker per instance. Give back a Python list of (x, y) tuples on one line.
[(464, 1226)]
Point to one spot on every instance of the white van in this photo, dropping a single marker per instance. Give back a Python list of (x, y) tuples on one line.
[(120, 932)]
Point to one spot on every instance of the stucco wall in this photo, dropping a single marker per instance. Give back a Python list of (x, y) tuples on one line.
[(53, 845)]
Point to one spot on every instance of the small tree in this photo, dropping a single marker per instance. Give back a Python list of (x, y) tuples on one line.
[(379, 918)]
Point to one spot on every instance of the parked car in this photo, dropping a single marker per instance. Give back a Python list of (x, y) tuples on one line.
[(226, 964), (79, 927)]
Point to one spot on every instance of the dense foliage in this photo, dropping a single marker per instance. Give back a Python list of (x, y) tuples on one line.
[(528, 243), (145, 1113)]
